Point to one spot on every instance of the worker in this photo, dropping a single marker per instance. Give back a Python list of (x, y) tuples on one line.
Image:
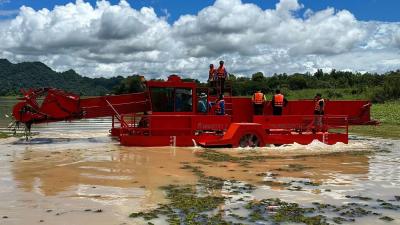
[(319, 105), (144, 120), (319, 111), (278, 102), (211, 74), (220, 105), (221, 76), (258, 100), (212, 79), (202, 103)]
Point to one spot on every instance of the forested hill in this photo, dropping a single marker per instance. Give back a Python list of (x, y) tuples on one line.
[(36, 74)]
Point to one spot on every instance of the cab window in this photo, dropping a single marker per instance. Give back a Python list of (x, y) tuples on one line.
[(183, 100), (162, 99), (171, 99)]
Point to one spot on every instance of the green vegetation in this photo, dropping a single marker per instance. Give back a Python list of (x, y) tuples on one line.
[(185, 205), (4, 135), (201, 203), (284, 212), (389, 116), (7, 135), (333, 85)]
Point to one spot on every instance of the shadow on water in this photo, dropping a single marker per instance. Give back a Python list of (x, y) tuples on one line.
[(55, 141)]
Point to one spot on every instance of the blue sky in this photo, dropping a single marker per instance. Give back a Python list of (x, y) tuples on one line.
[(365, 10)]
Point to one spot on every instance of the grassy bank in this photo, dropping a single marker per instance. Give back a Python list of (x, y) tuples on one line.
[(389, 116), (332, 94), (4, 135)]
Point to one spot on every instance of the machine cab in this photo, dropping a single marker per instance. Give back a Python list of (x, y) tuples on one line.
[(178, 97)]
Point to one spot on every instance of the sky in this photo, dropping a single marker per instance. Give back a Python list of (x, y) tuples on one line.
[(160, 37)]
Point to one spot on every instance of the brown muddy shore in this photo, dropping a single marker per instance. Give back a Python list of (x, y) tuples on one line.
[(78, 176)]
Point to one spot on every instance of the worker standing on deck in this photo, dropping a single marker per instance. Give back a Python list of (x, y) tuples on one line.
[(212, 79), (258, 100), (221, 75), (278, 102), (220, 105), (319, 111), (211, 75), (319, 108)]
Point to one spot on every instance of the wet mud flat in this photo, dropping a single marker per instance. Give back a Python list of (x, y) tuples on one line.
[(72, 178)]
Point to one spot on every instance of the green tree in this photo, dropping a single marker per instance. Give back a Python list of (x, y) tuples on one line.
[(258, 77)]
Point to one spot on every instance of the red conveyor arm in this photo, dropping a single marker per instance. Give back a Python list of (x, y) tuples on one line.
[(58, 105)]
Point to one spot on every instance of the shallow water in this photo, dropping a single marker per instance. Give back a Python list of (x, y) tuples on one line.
[(74, 173)]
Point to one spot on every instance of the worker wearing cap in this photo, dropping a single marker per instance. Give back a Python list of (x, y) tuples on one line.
[(278, 102), (202, 103), (258, 100), (221, 76)]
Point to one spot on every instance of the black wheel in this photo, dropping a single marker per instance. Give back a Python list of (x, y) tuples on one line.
[(249, 140)]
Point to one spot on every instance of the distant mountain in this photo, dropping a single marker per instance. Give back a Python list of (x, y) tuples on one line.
[(36, 74)]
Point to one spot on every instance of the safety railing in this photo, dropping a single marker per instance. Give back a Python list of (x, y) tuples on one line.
[(304, 123)]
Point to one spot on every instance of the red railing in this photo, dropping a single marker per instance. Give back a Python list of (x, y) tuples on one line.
[(304, 123), (170, 124)]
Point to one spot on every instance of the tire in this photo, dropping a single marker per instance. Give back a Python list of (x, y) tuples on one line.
[(249, 140)]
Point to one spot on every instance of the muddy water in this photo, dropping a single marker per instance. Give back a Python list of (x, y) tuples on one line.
[(74, 173)]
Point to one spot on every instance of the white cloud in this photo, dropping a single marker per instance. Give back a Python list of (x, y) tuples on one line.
[(108, 39)]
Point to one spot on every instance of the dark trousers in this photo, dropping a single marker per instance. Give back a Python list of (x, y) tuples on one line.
[(213, 87), (258, 109), (221, 85), (318, 121), (276, 111), (316, 112)]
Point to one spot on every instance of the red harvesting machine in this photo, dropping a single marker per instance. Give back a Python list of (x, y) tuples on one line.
[(167, 114)]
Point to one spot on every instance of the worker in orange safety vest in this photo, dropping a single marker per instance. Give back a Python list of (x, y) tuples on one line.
[(212, 79), (278, 102), (258, 100), (221, 76), (212, 74)]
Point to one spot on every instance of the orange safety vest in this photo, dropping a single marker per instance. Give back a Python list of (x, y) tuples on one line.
[(258, 98), (318, 107), (211, 74), (221, 72), (278, 100)]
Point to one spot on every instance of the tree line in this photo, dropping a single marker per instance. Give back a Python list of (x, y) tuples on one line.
[(374, 86)]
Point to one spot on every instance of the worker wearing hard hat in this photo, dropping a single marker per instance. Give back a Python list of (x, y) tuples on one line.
[(278, 102), (258, 100)]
